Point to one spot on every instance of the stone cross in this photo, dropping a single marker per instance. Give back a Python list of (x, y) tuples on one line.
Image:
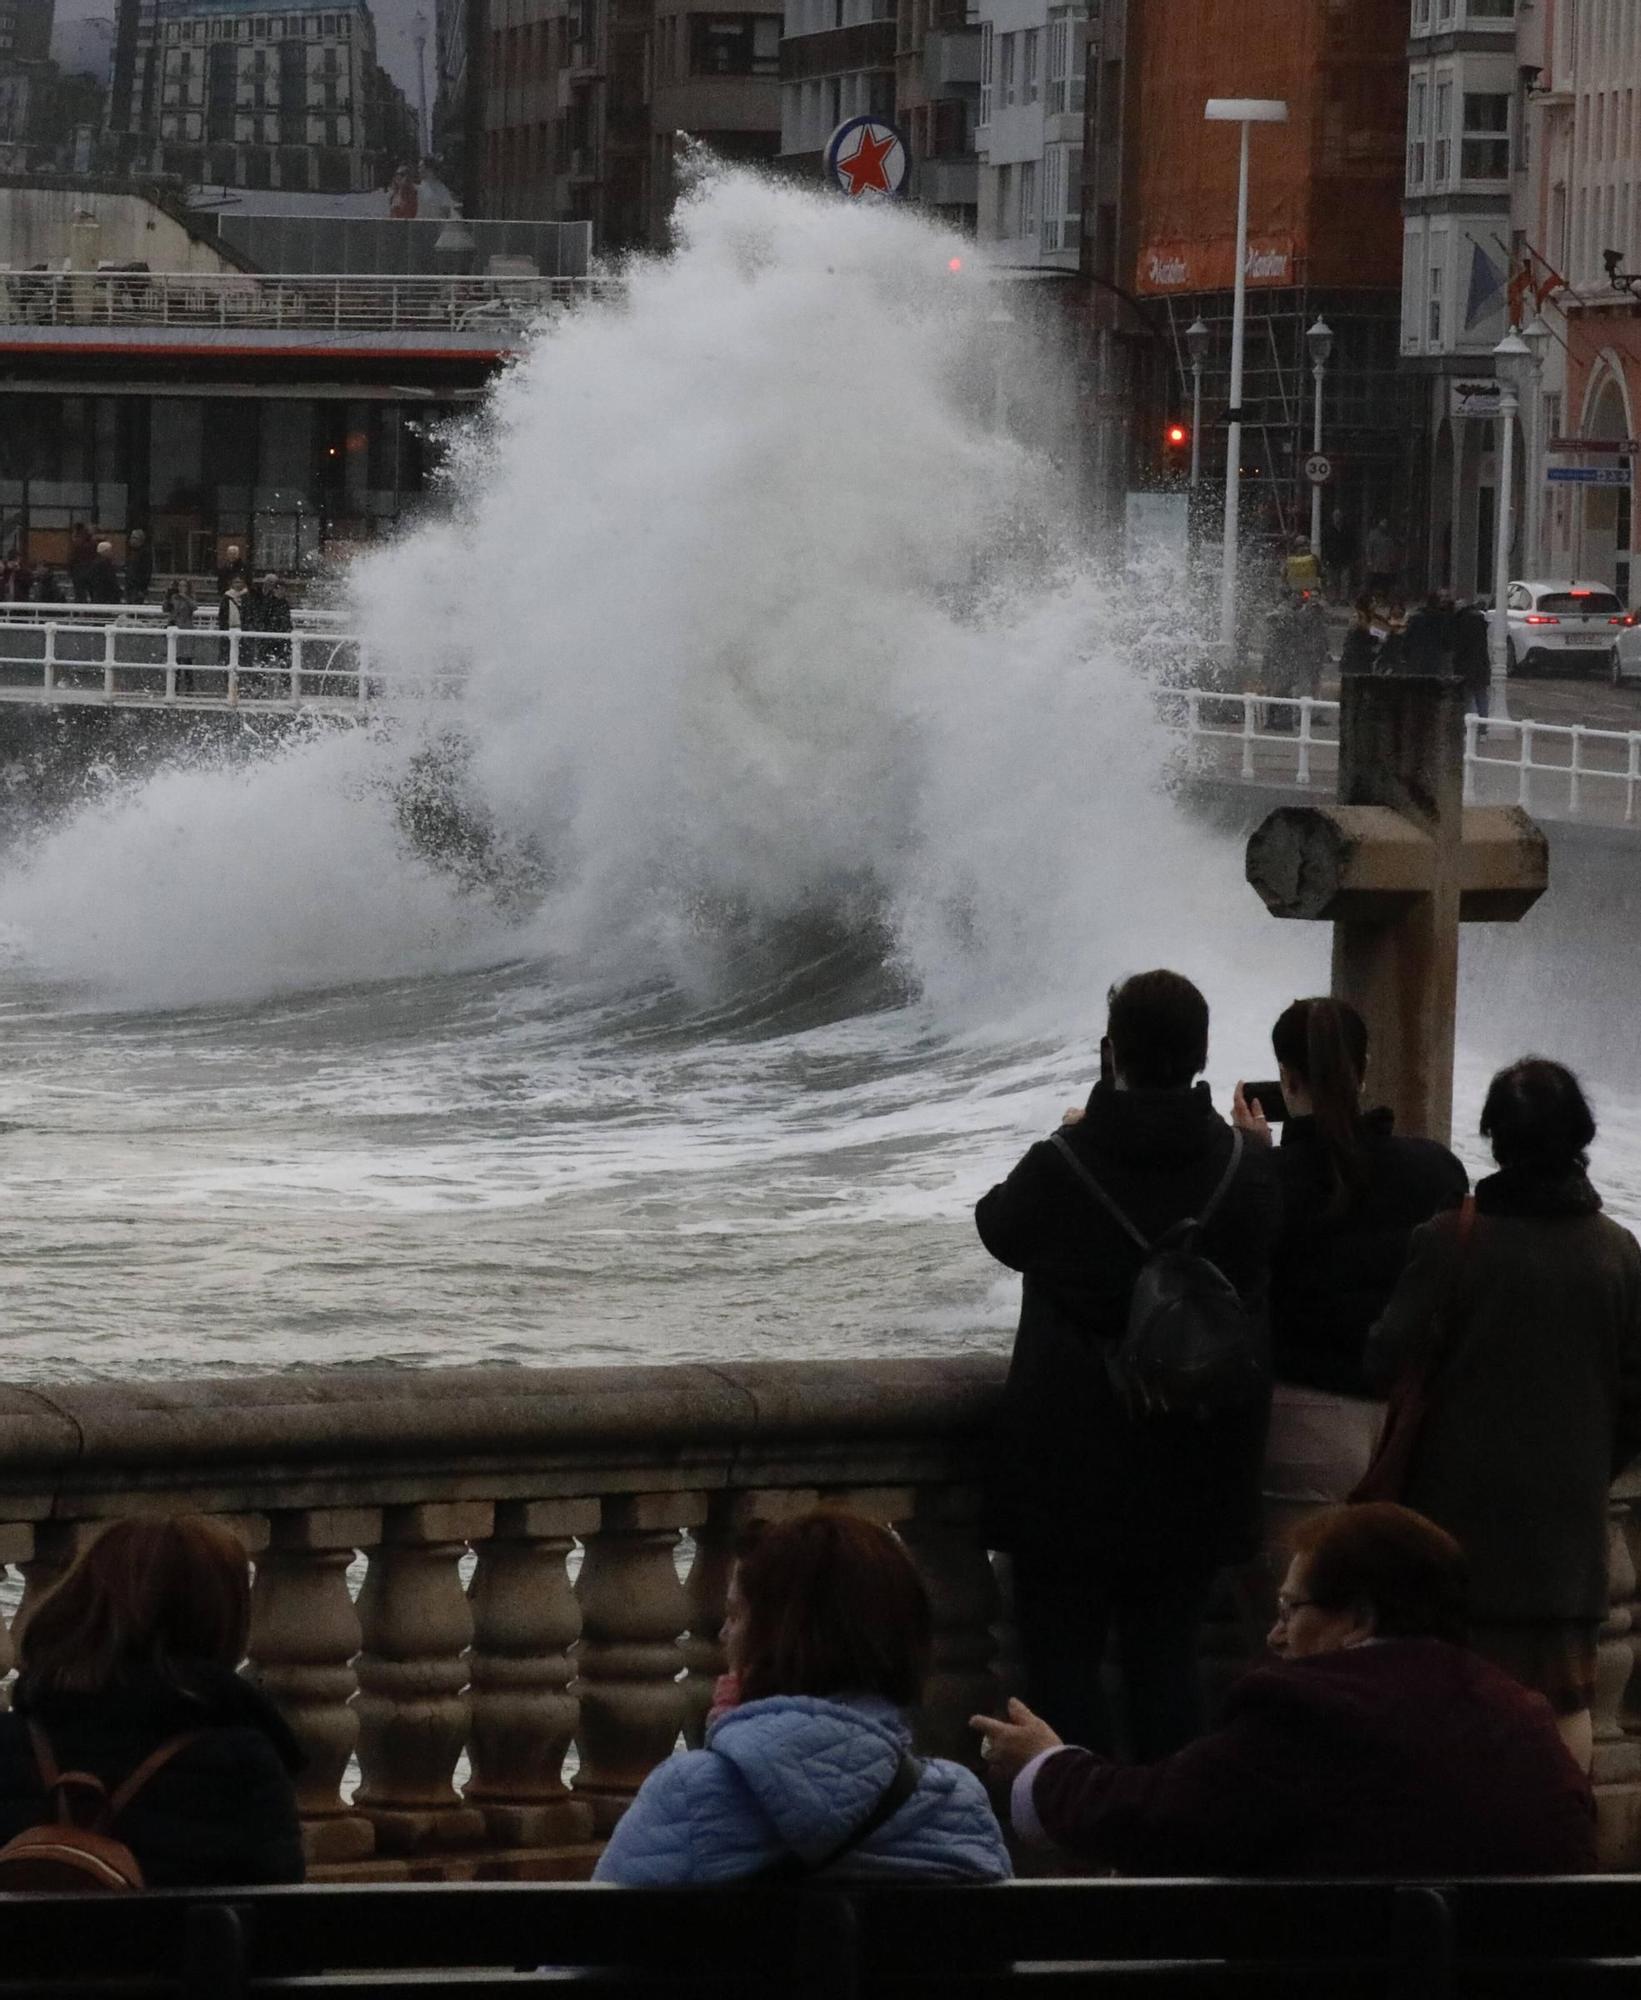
[(1396, 866)]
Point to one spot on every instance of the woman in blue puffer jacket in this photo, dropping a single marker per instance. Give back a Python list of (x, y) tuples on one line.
[(810, 1772)]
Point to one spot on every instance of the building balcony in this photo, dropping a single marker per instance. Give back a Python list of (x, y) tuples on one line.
[(951, 61), (948, 183), (136, 312)]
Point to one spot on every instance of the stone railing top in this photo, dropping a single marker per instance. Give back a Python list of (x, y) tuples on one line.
[(310, 1438)]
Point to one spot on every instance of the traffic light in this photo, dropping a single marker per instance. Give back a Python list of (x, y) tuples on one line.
[(1176, 447)]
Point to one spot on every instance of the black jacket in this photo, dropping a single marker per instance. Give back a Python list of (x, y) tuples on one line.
[(1070, 1471), (1331, 1277), (1360, 652), (139, 573), (221, 1812), (1536, 1408), (1429, 642), (1471, 659), (102, 581)]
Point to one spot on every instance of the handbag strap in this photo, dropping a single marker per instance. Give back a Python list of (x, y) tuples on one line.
[(908, 1775), (113, 1804), (1062, 1146)]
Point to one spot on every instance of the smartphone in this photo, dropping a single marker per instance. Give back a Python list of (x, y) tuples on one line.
[(1269, 1098)]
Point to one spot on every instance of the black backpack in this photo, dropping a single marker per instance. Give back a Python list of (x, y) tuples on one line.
[(1191, 1347)]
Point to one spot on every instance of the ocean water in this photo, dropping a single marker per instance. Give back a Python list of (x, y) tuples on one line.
[(675, 992)]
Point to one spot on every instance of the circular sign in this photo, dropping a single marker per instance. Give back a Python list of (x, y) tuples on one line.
[(866, 155), (1318, 470)]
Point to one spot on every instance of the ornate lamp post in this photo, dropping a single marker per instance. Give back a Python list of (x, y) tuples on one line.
[(1319, 339), (1512, 358), (1196, 341)]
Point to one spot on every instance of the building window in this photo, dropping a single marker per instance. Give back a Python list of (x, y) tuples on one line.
[(1062, 196), (1484, 153), (1417, 104), (1435, 310), (1028, 199), (735, 44), (1421, 14), (1005, 201), (1029, 52), (1444, 129), (1492, 10), (985, 72), (1005, 71), (1065, 62)]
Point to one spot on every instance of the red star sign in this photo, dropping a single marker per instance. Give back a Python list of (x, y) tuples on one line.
[(864, 169)]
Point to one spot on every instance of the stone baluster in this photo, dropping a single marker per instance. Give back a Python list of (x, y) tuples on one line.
[(416, 1626), (729, 1517), (57, 1546), (525, 1621), (1616, 1767), (633, 1612), (943, 1536), (304, 1635), (16, 1546)]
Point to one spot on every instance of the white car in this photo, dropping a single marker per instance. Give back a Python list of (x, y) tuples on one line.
[(1570, 628)]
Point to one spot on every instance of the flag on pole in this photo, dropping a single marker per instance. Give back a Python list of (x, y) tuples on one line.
[(1486, 282)]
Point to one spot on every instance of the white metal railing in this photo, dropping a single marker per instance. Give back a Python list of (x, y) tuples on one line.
[(307, 617), (1277, 738), (144, 665), (246, 299)]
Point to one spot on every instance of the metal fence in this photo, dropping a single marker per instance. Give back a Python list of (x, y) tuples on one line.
[(143, 665), (243, 300), (1564, 769)]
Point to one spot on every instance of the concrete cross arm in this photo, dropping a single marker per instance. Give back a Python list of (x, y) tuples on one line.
[(1362, 863)]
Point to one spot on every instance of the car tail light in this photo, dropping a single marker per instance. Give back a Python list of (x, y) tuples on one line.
[(1627, 619), (1539, 618)]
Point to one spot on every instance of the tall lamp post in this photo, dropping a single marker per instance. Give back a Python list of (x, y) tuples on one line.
[(1538, 338), (1511, 358), (1246, 112), (1320, 341), (1196, 342)]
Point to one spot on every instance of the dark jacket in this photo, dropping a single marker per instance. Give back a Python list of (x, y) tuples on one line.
[(1360, 652), (222, 1811), (1472, 661), (1332, 1276), (1537, 1407), (1070, 1471), (1409, 1757), (1429, 641), (102, 581), (139, 573)]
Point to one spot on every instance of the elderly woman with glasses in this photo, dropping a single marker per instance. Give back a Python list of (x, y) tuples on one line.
[(1375, 1743)]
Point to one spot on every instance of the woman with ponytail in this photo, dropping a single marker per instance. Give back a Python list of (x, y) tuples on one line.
[(1352, 1195)]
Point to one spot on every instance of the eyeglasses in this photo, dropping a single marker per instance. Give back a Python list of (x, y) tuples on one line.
[(1287, 1606)]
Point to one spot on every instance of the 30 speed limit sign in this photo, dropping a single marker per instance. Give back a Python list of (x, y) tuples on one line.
[(1318, 470)]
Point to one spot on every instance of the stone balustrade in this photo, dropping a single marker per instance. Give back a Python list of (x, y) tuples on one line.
[(471, 1583), (545, 1555)]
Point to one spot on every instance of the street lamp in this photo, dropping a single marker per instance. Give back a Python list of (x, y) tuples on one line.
[(424, 138), (1320, 341), (1196, 341), (1538, 338), (1246, 112), (1511, 359)]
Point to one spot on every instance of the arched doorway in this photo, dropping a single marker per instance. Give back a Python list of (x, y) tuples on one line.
[(1606, 527)]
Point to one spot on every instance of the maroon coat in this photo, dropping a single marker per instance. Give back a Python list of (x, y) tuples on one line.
[(1409, 1757)]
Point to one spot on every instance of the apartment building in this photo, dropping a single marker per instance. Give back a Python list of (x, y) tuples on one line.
[(1033, 81), (1465, 151), (230, 92)]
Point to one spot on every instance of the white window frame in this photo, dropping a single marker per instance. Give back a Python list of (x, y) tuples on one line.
[(1441, 152), (1005, 71), (985, 72), (1030, 65), (1418, 109), (1030, 212)]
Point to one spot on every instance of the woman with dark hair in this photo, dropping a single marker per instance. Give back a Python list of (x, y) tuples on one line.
[(1352, 1195), (137, 1647), (828, 1632), (1524, 1335)]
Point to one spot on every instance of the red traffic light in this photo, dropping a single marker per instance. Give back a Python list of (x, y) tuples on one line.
[(1177, 434)]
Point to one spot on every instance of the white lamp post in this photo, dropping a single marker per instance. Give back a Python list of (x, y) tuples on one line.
[(1246, 112), (1510, 358), (1196, 341), (1320, 341), (1537, 337)]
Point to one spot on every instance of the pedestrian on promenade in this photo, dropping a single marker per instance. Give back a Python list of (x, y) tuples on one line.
[(1375, 1743), (810, 1772), (273, 615), (232, 566), (1338, 554), (1392, 654), (47, 589), (1301, 571), (1118, 1524), (1352, 1194), (1472, 657), (103, 579), (1383, 560), (182, 611), (136, 1648), (1430, 638), (139, 568), (82, 553), (1360, 652), (1514, 1337)]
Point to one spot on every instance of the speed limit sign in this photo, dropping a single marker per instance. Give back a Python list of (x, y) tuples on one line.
[(1318, 470)]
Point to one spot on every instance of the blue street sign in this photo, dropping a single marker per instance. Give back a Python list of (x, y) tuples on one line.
[(1588, 475)]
